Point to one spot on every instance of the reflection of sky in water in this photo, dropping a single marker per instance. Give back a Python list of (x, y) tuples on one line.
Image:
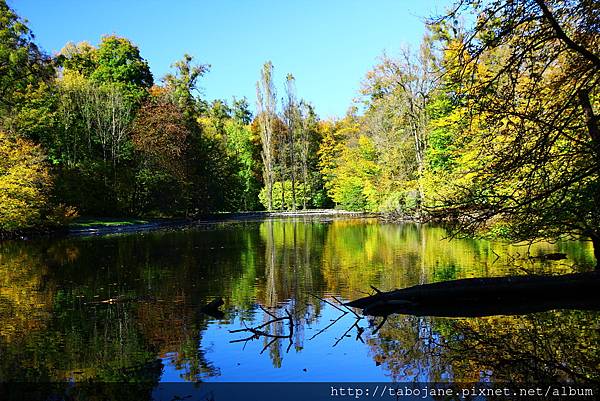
[(50, 311), (317, 359), (323, 362)]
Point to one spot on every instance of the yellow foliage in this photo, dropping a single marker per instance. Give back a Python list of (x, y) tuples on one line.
[(24, 183)]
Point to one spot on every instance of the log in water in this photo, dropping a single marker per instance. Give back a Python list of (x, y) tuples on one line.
[(512, 295)]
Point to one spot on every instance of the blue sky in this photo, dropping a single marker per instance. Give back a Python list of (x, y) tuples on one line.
[(328, 45)]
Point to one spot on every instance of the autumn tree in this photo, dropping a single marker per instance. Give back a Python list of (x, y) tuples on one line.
[(160, 132), (25, 184), (528, 74), (398, 92), (292, 119), (213, 179), (266, 105), (162, 138), (81, 57)]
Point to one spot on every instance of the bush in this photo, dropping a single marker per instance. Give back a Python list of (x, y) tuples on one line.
[(25, 183)]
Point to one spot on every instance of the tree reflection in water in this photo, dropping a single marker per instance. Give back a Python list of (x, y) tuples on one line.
[(55, 327), (549, 347)]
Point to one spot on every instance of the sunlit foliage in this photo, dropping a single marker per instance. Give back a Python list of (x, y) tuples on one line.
[(24, 184)]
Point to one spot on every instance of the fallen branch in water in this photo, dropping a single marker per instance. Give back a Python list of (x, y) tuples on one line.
[(258, 332), (510, 295)]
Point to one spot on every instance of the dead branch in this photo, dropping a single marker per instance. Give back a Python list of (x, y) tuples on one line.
[(257, 331), (326, 301)]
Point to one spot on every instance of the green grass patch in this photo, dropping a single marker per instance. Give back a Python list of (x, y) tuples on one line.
[(86, 222)]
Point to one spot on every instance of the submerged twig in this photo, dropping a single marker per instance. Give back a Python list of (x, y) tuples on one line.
[(329, 325), (347, 307), (326, 301), (267, 312), (258, 333), (347, 331), (380, 324)]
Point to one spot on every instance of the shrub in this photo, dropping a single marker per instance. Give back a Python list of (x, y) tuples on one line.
[(25, 183)]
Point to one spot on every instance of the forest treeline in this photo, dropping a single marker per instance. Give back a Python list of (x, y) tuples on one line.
[(491, 124)]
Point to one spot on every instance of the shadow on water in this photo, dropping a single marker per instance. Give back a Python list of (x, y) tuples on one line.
[(127, 308)]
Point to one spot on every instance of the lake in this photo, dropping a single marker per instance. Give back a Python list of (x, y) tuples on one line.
[(128, 308)]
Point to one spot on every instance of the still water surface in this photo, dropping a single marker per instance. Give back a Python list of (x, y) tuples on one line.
[(128, 307)]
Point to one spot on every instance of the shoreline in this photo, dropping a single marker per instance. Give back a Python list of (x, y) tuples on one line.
[(176, 223), (116, 225)]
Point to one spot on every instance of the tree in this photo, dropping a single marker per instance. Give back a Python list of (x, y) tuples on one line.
[(25, 184), (397, 118), (291, 116), (118, 61), (112, 117), (333, 144), (355, 184), (243, 147), (308, 122), (183, 83), (309, 141), (245, 155), (160, 132), (219, 112), (213, 182), (266, 104), (75, 139), (23, 66), (162, 138), (528, 73), (240, 111), (81, 57)]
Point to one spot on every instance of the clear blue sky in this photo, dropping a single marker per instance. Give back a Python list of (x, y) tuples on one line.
[(328, 45)]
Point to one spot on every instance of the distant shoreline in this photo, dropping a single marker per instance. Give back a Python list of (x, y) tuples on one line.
[(89, 226), (158, 224)]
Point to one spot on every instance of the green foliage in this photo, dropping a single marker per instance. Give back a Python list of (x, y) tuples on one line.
[(243, 151), (118, 61), (23, 67), (86, 186), (302, 195), (21, 61), (35, 115), (150, 197), (183, 83), (78, 57), (240, 111), (350, 195), (354, 185), (441, 149), (91, 146)]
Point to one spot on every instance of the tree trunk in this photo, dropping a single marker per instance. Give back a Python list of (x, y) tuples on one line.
[(591, 122), (488, 296), (293, 165), (596, 244), (590, 119)]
